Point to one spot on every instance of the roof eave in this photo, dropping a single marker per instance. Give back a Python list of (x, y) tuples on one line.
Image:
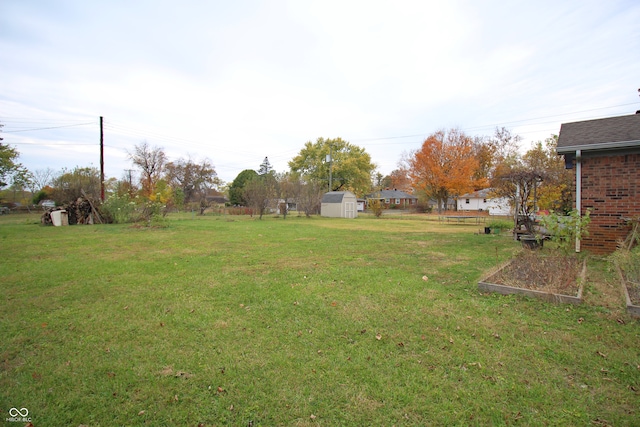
[(599, 146)]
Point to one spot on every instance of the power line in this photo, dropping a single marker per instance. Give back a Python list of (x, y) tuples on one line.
[(50, 144), (47, 128), (500, 124)]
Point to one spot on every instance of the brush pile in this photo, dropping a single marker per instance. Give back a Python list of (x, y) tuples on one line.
[(81, 211)]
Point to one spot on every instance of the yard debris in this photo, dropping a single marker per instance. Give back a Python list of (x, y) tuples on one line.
[(80, 211)]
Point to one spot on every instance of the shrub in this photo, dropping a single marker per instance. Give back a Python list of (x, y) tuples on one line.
[(376, 207), (500, 224), (565, 229), (119, 209), (123, 209)]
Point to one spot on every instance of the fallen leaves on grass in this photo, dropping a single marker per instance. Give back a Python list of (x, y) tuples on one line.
[(168, 371)]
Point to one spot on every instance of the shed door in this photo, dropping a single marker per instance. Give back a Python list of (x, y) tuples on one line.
[(349, 210)]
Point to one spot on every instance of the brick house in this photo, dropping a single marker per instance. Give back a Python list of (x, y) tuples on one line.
[(605, 154), (394, 199)]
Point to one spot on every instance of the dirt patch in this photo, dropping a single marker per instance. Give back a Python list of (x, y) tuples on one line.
[(633, 289), (540, 271)]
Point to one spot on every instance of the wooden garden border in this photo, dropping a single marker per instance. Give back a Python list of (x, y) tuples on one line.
[(633, 310), (486, 286)]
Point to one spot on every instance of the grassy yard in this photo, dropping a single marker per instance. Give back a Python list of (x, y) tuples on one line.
[(235, 321)]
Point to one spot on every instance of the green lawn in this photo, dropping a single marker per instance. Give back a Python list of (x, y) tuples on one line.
[(236, 321)]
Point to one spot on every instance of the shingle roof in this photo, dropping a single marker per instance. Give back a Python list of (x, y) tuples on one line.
[(333, 197), (612, 132), (480, 194), (391, 194)]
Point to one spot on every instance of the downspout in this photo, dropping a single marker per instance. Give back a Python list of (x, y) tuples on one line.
[(578, 192)]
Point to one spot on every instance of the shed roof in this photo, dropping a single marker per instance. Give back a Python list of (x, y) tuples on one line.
[(335, 196), (600, 134)]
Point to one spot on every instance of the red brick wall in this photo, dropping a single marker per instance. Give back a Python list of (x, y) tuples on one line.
[(611, 189)]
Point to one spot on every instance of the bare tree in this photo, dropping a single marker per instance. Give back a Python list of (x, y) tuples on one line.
[(194, 179), (151, 163), (40, 178), (260, 193), (309, 196), (285, 191)]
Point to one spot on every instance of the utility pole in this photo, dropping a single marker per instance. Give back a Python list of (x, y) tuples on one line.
[(101, 161), (330, 160)]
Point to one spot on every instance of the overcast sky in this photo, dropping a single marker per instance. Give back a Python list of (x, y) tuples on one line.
[(235, 81)]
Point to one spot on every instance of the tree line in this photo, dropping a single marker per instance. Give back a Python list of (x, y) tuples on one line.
[(448, 164)]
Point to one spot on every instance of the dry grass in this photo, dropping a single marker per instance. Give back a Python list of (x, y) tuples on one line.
[(542, 271)]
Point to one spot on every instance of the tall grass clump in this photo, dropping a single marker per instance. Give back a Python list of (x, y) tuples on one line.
[(124, 209)]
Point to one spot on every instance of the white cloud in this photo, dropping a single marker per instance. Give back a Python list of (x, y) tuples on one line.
[(237, 81)]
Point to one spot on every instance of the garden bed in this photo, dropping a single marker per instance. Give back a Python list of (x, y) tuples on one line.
[(550, 276), (632, 294)]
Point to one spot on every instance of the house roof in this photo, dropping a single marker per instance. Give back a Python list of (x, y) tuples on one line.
[(391, 194), (601, 134), (480, 194)]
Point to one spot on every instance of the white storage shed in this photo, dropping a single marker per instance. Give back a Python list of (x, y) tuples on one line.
[(339, 204)]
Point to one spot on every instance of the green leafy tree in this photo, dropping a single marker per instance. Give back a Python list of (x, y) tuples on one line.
[(8, 164), (236, 189), (69, 185), (350, 166)]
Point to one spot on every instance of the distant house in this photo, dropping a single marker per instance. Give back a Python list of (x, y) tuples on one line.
[(288, 204), (339, 204), (482, 201), (605, 154), (449, 205), (394, 199), (217, 200)]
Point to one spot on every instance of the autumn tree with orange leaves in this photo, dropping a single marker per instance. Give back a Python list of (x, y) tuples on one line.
[(445, 166)]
